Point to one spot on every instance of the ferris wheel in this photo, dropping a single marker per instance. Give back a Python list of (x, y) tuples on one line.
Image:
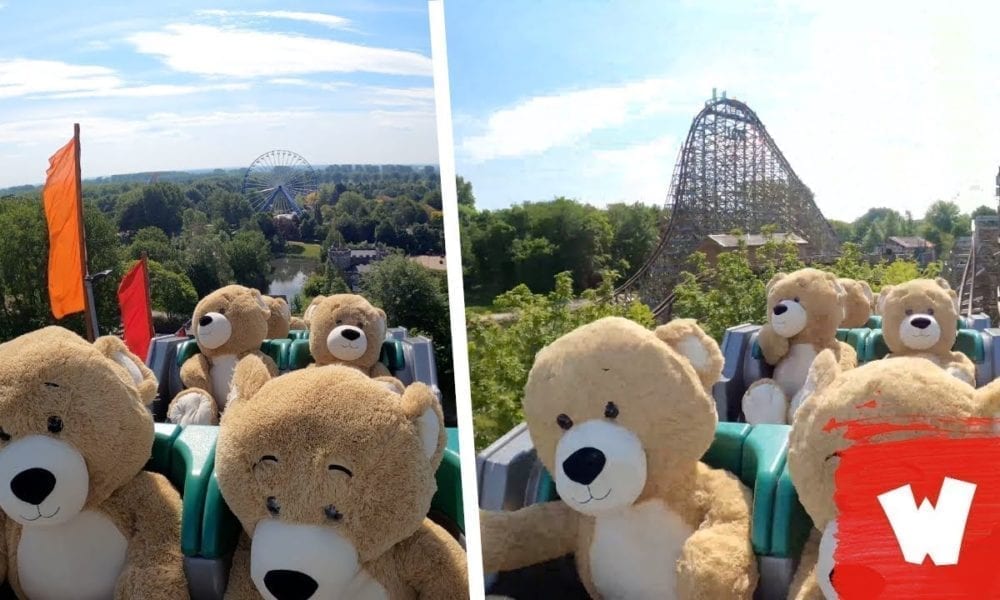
[(277, 181)]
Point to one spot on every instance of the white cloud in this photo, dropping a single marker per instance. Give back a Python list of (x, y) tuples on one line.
[(243, 53), (150, 91), (325, 19), (21, 77), (549, 121), (643, 171), (384, 96)]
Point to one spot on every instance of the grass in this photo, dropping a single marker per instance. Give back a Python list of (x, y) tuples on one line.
[(303, 250)]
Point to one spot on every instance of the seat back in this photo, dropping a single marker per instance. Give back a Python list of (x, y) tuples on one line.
[(391, 355), (298, 334), (278, 351), (968, 341)]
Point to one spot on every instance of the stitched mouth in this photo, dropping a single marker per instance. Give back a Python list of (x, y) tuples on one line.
[(349, 345), (40, 515), (592, 497)]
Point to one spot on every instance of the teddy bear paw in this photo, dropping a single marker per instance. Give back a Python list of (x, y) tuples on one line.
[(765, 403), (961, 375), (193, 408)]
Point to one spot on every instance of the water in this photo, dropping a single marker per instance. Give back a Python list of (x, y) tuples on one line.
[(290, 274)]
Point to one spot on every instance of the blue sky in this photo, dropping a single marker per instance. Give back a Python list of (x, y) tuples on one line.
[(873, 103), (184, 85)]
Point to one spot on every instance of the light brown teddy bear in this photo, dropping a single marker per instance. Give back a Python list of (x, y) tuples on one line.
[(81, 519), (345, 329), (857, 303), (919, 318), (279, 320), (303, 321), (229, 324), (332, 476), (620, 416), (804, 310), (884, 391)]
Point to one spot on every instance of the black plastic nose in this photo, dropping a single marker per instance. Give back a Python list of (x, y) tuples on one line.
[(921, 322), (584, 465), (206, 320), (351, 334), (33, 485), (290, 585), (780, 309)]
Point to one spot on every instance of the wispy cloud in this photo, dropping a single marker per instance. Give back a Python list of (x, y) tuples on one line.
[(245, 53), (328, 20), (544, 122), (151, 91), (22, 77), (643, 170)]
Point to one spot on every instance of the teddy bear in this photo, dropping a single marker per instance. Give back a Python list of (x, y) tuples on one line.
[(346, 329), (279, 320), (331, 476), (302, 323), (620, 416), (80, 517), (229, 324), (885, 392), (857, 303), (804, 310), (919, 318)]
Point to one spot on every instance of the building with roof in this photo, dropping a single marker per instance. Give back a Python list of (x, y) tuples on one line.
[(354, 262), (432, 262), (715, 244), (908, 248)]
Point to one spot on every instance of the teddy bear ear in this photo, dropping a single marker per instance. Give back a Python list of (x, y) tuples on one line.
[(691, 342), (774, 280), (249, 376), (420, 406), (942, 282), (883, 295), (954, 300), (866, 290), (261, 302), (141, 376)]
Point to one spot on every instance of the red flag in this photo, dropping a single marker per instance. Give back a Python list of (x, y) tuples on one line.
[(137, 311), (67, 261)]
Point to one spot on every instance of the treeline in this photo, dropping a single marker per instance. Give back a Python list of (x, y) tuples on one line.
[(532, 242), (200, 233)]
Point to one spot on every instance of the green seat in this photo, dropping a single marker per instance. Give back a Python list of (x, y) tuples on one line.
[(755, 454), (391, 355), (186, 350), (220, 529), (874, 322), (298, 334), (185, 455), (856, 337), (278, 351), (968, 341), (790, 525)]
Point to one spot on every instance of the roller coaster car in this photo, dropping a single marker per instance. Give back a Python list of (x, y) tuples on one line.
[(745, 364), (186, 455), (511, 477)]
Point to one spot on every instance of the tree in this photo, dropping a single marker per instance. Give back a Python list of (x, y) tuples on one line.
[(249, 259), (636, 233), (157, 205), (983, 211), (171, 292), (156, 245), (465, 196)]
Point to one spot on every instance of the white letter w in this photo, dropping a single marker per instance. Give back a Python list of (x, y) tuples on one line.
[(937, 532)]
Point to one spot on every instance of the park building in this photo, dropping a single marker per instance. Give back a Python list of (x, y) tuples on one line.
[(715, 244), (912, 248)]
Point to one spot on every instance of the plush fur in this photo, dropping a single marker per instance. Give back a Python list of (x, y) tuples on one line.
[(345, 329), (304, 321), (284, 449), (919, 318), (857, 302), (279, 320), (904, 387), (229, 325), (75, 437), (650, 520), (804, 310)]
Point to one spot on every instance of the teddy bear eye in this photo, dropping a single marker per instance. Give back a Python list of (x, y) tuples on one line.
[(4, 435), (341, 468), (55, 424), (564, 421), (361, 325), (332, 513), (909, 311), (795, 299), (268, 458), (611, 411), (930, 311), (340, 321), (221, 311)]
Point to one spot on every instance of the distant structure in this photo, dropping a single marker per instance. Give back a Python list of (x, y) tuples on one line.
[(277, 180), (716, 244), (912, 248), (354, 262), (429, 261)]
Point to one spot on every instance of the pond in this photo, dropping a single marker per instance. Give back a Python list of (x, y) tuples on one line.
[(290, 274)]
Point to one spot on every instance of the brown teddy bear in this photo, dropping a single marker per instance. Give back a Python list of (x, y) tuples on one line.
[(81, 519), (804, 310), (300, 323), (332, 476), (229, 324), (345, 329), (857, 303), (919, 319), (902, 388), (280, 318), (621, 416)]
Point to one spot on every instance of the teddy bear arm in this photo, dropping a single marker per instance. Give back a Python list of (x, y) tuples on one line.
[(804, 585), (961, 366), (154, 566), (196, 372), (772, 345), (379, 370), (434, 564), (534, 534), (240, 585), (272, 367), (847, 356)]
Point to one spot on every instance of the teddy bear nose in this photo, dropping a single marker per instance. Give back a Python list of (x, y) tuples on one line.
[(33, 485), (584, 465), (290, 585), (921, 322), (780, 309), (204, 321), (351, 334)]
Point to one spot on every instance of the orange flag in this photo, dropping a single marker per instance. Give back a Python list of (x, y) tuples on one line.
[(61, 196)]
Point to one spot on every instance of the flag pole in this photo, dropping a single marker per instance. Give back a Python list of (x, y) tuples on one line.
[(90, 314), (149, 300)]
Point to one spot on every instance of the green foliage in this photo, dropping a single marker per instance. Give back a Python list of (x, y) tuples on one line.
[(501, 354), (171, 292), (157, 205), (249, 259), (157, 246)]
